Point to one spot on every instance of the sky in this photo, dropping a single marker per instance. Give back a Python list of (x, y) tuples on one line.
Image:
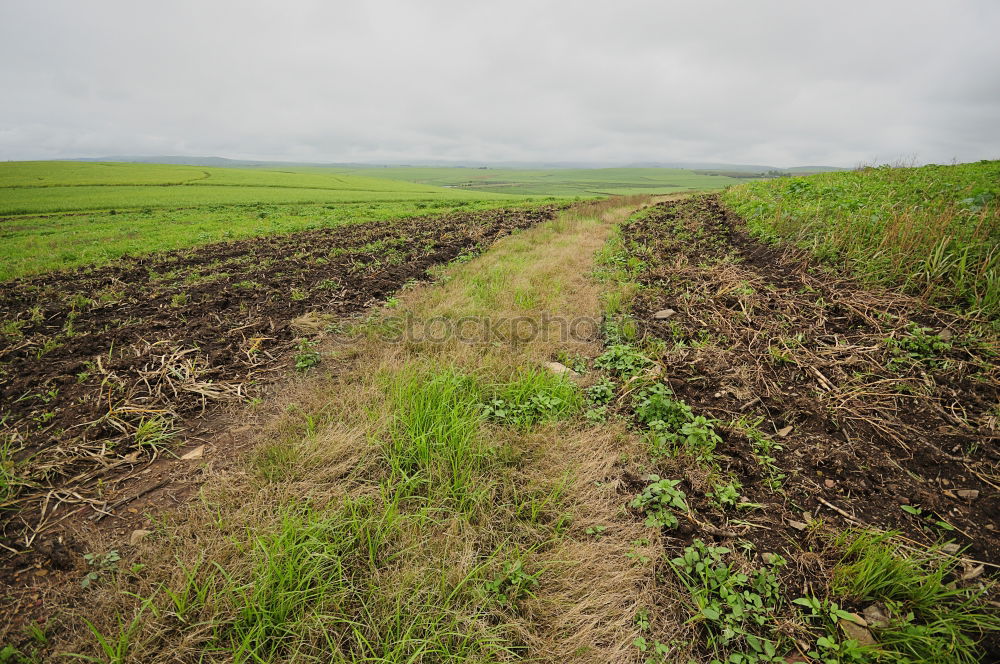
[(413, 81)]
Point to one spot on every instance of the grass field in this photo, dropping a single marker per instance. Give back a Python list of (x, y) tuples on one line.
[(934, 230), (33, 245), (44, 187), (92, 213), (558, 182)]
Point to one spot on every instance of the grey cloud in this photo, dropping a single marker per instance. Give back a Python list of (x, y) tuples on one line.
[(780, 83)]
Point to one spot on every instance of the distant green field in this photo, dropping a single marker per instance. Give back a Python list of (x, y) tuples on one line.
[(42, 187), (934, 230), (32, 245), (559, 182), (72, 214)]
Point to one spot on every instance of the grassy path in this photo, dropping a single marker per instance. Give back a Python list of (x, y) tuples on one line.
[(422, 497)]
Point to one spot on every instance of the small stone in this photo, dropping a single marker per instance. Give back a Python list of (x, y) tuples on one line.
[(829, 484), (664, 314), (138, 535), (973, 573), (767, 557), (797, 525), (784, 431), (945, 481), (945, 334), (41, 572), (902, 500), (968, 494), (990, 526), (950, 549), (859, 633), (196, 453), (875, 616), (717, 395), (560, 369)]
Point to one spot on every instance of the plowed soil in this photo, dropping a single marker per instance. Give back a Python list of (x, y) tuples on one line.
[(95, 364), (871, 433), (885, 413)]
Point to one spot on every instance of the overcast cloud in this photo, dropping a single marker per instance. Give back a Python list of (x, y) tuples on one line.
[(764, 82)]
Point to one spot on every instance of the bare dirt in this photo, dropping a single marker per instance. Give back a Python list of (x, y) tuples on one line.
[(769, 335)]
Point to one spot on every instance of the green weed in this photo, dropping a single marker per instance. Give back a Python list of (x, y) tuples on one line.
[(931, 230), (673, 426), (98, 565), (927, 616), (918, 346), (764, 448), (11, 480), (725, 496), (602, 392), (307, 356), (533, 396), (737, 610), (622, 360), (512, 584), (154, 433), (659, 500), (433, 438)]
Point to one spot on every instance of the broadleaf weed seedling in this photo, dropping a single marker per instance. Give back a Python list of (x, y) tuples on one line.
[(658, 500), (308, 356), (98, 564)]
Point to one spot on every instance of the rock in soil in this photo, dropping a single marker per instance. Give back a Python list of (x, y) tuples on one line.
[(138, 535), (859, 633), (560, 369)]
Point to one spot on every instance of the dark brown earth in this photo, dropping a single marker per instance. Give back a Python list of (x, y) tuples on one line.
[(169, 337), (763, 334), (801, 347)]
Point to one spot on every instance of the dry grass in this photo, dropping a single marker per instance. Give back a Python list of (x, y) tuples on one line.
[(585, 611)]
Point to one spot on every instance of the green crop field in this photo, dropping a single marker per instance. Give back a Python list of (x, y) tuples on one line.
[(934, 230), (556, 182), (43, 187), (72, 214), (31, 245)]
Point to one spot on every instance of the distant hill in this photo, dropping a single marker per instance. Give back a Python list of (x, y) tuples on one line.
[(221, 162), (253, 163)]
